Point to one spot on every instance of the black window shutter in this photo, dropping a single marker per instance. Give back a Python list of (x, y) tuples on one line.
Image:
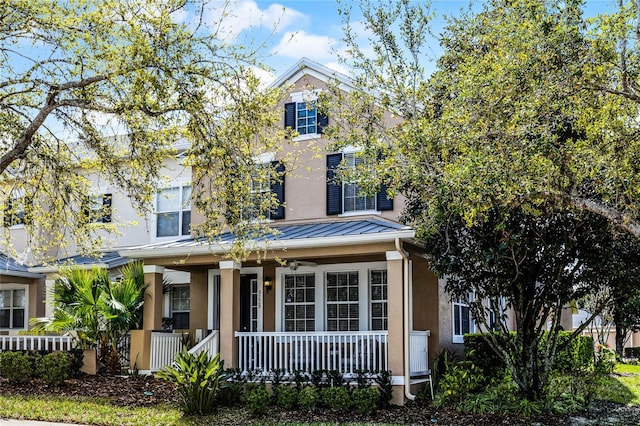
[(277, 187), (334, 188), (106, 208), (290, 115), (384, 201), (323, 121)]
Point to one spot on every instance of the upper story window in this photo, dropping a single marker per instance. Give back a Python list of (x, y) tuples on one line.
[(347, 197), (173, 211), (97, 208), (264, 184), (303, 116), (14, 212)]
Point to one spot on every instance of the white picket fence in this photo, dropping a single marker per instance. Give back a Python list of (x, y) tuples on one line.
[(36, 343)]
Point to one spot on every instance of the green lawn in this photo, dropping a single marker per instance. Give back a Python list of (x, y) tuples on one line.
[(623, 387)]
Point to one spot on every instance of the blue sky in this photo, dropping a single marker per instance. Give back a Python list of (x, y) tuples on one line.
[(292, 29)]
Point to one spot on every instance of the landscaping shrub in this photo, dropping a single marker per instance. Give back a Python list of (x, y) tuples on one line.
[(258, 399), (76, 355), (54, 368), (15, 366), (577, 355), (308, 397), (458, 381), (385, 389), (337, 398), (198, 379), (286, 396), (366, 400)]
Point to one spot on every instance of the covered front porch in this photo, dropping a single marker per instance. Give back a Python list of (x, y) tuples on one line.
[(348, 304)]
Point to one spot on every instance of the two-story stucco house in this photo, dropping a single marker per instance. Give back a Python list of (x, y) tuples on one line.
[(341, 286)]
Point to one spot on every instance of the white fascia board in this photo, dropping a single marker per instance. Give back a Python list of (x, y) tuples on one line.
[(302, 243), (319, 71), (22, 274)]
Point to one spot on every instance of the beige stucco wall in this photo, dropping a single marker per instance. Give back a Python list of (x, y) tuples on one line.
[(426, 302)]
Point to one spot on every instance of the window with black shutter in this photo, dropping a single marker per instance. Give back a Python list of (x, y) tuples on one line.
[(304, 118), (347, 197)]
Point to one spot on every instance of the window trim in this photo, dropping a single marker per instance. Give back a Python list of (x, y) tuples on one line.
[(180, 311), (457, 304), (12, 287)]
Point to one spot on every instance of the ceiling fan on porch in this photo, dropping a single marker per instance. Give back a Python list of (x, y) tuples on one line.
[(295, 264)]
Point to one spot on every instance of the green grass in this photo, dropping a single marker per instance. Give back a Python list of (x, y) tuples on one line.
[(87, 411), (623, 387)]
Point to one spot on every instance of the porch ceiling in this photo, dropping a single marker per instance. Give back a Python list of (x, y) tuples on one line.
[(287, 236)]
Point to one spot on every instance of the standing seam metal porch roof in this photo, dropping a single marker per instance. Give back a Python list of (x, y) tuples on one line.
[(364, 229), (11, 267)]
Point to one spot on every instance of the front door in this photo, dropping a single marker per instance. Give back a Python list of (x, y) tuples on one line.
[(249, 302)]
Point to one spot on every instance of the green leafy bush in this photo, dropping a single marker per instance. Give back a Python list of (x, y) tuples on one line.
[(385, 389), (286, 397), (577, 355), (337, 398), (258, 399), (54, 368), (76, 355), (198, 379), (458, 381), (308, 397), (15, 366), (366, 400)]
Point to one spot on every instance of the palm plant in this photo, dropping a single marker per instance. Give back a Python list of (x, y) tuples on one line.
[(98, 310)]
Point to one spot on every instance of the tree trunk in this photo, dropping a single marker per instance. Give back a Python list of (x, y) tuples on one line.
[(621, 333)]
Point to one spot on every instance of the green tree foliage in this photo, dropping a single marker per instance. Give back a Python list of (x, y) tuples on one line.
[(518, 155), (102, 91)]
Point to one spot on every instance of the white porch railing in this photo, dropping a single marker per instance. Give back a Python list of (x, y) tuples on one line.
[(164, 347), (346, 352), (209, 343), (36, 343), (419, 352)]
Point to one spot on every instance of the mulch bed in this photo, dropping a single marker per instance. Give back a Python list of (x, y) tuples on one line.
[(148, 391)]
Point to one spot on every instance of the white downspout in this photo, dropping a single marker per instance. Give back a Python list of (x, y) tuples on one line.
[(405, 327)]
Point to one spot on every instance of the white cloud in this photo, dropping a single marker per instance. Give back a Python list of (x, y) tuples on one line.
[(230, 19), (298, 44)]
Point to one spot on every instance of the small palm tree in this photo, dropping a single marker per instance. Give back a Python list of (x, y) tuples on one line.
[(98, 310)]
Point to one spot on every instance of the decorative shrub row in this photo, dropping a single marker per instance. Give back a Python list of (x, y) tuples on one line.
[(53, 367), (577, 356), (338, 398)]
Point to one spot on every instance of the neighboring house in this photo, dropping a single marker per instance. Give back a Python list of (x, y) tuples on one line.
[(21, 296)]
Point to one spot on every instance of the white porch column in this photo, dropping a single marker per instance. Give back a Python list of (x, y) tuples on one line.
[(229, 311)]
